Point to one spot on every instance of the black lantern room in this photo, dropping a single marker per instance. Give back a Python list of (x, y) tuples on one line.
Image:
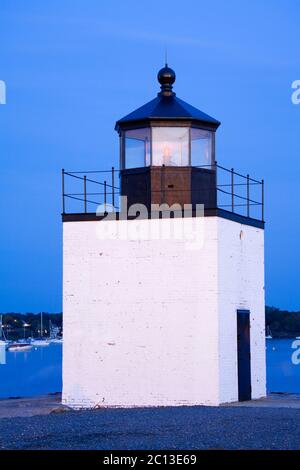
[(167, 151)]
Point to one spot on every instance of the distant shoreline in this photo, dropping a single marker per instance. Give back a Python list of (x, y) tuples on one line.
[(280, 324)]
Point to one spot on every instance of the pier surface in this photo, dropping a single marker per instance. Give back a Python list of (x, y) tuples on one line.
[(32, 406), (41, 423)]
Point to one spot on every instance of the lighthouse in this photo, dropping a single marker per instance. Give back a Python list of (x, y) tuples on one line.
[(163, 268)]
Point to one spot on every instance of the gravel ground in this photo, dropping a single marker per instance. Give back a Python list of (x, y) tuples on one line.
[(183, 428)]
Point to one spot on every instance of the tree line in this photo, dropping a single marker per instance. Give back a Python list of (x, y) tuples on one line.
[(19, 325), (282, 323)]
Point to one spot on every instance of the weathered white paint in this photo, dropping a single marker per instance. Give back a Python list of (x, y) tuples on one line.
[(152, 322), (240, 286)]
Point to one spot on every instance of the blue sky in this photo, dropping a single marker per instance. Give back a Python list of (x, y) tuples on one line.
[(72, 68)]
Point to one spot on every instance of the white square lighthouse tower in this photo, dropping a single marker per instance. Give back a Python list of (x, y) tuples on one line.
[(163, 274)]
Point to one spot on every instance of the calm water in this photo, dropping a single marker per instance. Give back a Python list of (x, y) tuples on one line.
[(39, 371), (34, 372), (283, 370)]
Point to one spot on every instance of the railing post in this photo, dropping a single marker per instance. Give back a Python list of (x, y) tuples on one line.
[(63, 189), (262, 200), (248, 197), (216, 181), (84, 190), (232, 189), (105, 197), (113, 187)]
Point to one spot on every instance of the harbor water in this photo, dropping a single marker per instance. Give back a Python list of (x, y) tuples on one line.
[(34, 372), (39, 370)]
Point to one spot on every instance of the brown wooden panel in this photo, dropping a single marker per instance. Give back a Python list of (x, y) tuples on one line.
[(170, 185)]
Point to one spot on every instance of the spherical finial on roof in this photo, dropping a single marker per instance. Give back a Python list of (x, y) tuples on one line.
[(166, 77)]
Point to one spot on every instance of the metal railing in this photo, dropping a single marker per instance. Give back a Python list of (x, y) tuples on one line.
[(228, 186), (246, 200), (107, 197)]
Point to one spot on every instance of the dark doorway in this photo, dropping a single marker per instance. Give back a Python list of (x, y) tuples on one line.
[(243, 353)]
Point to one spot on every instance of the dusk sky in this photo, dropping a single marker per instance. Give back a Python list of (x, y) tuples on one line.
[(72, 68)]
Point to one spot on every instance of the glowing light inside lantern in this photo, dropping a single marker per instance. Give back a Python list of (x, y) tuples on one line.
[(167, 154)]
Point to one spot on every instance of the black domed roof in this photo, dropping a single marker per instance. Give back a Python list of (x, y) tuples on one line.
[(166, 106)]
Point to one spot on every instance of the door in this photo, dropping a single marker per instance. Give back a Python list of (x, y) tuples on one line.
[(244, 356)]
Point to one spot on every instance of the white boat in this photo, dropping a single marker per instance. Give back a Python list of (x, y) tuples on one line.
[(56, 340), (269, 334), (40, 342), (19, 346)]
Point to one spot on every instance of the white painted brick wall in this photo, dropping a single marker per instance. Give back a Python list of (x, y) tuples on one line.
[(241, 286), (143, 319)]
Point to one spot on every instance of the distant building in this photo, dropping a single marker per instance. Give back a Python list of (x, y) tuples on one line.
[(54, 331), (162, 311)]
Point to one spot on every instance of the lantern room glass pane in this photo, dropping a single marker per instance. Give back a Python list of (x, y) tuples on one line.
[(170, 146), (201, 147), (137, 148)]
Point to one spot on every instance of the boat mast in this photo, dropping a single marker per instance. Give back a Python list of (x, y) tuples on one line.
[(2, 334), (41, 324)]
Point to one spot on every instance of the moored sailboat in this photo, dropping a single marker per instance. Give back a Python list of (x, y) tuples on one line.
[(40, 341)]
